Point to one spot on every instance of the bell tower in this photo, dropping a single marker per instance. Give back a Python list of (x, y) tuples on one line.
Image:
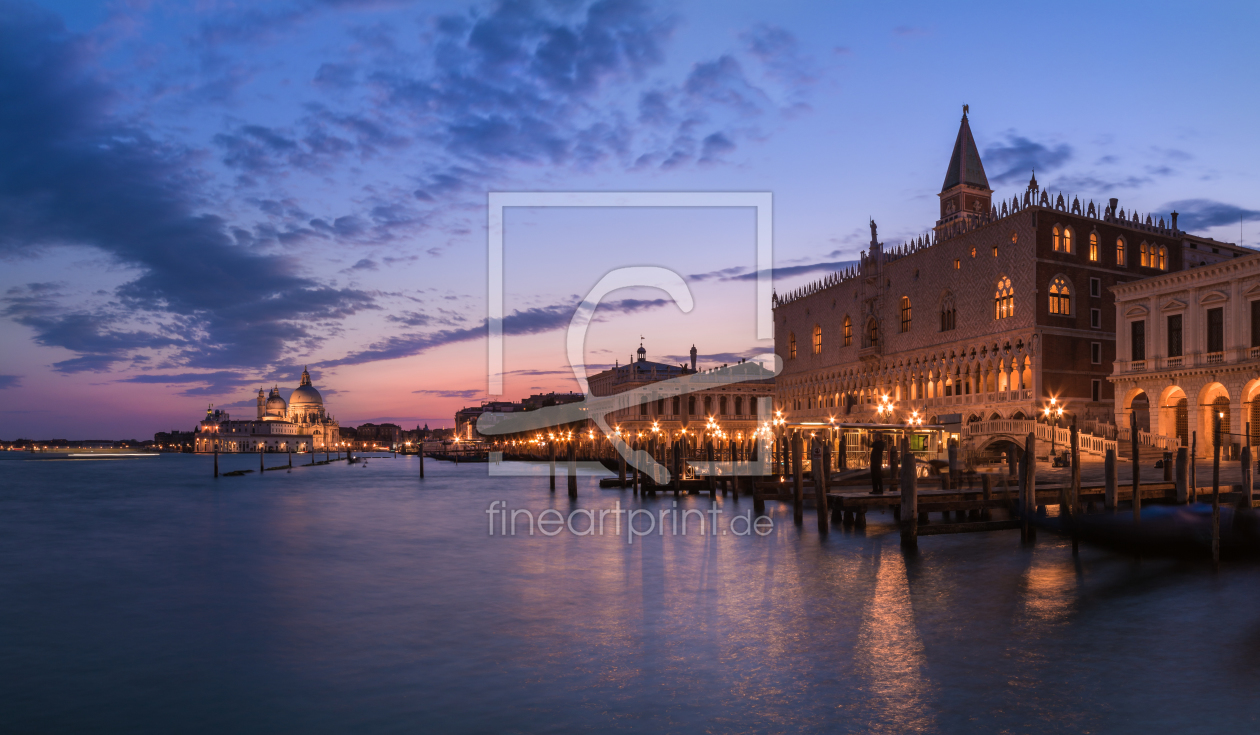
[(965, 193)]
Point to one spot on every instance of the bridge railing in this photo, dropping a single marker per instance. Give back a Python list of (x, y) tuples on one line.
[(1059, 437)]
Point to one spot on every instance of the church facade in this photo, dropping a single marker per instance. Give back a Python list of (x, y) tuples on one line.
[(1005, 304), (301, 424)]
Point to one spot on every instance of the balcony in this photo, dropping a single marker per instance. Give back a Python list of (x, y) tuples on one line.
[(1214, 358), (871, 349), (1173, 362), (1136, 366)]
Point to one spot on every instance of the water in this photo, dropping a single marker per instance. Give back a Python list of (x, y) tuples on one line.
[(144, 596)]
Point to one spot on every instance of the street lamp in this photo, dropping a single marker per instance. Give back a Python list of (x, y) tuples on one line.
[(1053, 409), (885, 407)]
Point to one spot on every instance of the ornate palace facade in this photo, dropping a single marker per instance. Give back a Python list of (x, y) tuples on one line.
[(1006, 303)]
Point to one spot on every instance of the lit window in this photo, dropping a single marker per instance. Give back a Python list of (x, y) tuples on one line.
[(1004, 299), (1014, 238), (817, 340), (1163, 258), (848, 331), (957, 264), (1120, 251), (1145, 258), (1093, 247), (995, 251), (1058, 239), (792, 346), (973, 252), (1060, 297), (905, 313), (1067, 239)]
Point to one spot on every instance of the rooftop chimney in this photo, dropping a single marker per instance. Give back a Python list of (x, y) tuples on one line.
[(1174, 221), (1115, 203)]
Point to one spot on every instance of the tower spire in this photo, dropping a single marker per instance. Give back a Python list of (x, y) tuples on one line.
[(965, 193)]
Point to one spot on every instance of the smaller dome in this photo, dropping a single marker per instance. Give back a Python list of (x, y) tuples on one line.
[(275, 402)]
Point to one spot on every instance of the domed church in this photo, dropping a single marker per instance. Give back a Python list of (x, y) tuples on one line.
[(300, 424)]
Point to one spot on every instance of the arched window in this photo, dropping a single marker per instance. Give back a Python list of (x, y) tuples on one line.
[(1067, 239), (1060, 297), (792, 346), (905, 314), (848, 331), (1004, 299), (817, 340), (1058, 239), (1163, 258), (1145, 258), (872, 333), (1120, 251), (1093, 247), (948, 313)]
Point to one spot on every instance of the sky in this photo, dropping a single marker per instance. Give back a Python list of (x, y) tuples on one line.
[(199, 199)]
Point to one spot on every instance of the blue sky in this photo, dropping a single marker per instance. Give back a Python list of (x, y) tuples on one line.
[(197, 199)]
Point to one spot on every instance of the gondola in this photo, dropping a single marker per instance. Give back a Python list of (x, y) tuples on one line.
[(1164, 530)]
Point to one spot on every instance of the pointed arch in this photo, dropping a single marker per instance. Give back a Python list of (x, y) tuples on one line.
[(1061, 293), (1003, 298)]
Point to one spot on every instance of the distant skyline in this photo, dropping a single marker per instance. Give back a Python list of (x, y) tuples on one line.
[(198, 200)]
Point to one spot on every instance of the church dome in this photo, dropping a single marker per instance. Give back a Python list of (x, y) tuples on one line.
[(306, 395), (275, 402)]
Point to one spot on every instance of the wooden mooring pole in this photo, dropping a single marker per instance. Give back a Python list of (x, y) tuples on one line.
[(1029, 501), (420, 454), (909, 503), (986, 494), (953, 464), (1181, 477), (634, 475), (798, 481), (552, 445), (820, 487), (261, 467), (708, 455), (1216, 488), (216, 459), (1194, 478), (621, 470), (1110, 480), (1137, 468), (573, 470), (1246, 500), (1075, 501), (677, 465)]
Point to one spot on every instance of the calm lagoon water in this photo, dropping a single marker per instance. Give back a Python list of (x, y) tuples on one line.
[(145, 596)]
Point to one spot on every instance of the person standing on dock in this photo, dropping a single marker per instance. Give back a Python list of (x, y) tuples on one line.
[(877, 465)]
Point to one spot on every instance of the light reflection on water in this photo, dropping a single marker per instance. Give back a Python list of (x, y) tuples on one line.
[(146, 596)]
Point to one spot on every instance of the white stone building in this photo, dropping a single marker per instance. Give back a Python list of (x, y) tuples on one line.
[(300, 424), (1189, 348)]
